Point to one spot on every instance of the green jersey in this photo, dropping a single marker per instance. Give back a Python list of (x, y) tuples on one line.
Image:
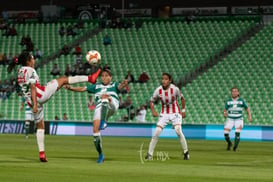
[(98, 89), (235, 108)]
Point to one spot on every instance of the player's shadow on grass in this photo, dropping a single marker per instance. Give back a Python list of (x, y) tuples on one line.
[(20, 160), (70, 157), (91, 158)]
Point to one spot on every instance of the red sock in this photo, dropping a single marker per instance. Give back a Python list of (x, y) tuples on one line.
[(42, 154), (93, 77)]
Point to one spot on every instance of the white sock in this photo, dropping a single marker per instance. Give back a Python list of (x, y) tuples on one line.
[(154, 140), (41, 139), (181, 138), (77, 79)]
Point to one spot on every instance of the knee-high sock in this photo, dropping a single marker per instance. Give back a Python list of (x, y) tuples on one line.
[(77, 79), (154, 140), (227, 138), (237, 139), (182, 138), (41, 139), (27, 127), (98, 142), (104, 109)]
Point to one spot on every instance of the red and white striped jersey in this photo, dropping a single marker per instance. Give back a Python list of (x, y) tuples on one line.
[(27, 76), (168, 99)]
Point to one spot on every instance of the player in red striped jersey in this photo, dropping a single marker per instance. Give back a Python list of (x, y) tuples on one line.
[(36, 95), (168, 94)]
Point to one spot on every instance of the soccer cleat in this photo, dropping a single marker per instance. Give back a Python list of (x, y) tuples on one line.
[(229, 146), (103, 125), (234, 149), (100, 159), (43, 157), (149, 157), (186, 155), (93, 77)]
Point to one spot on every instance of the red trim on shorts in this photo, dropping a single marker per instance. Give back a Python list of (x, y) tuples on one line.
[(40, 87), (38, 95)]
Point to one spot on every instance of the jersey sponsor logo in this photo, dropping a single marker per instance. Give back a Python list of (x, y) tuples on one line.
[(103, 90), (100, 86), (21, 76), (235, 102)]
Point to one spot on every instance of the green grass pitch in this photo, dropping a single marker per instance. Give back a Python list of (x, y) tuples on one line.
[(73, 158)]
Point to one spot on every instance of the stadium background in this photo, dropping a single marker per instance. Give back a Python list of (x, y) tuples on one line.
[(227, 43)]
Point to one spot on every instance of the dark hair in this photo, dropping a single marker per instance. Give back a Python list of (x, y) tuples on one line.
[(169, 76), (23, 58), (234, 88), (107, 69)]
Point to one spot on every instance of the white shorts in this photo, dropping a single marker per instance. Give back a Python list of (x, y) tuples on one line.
[(39, 115), (164, 119), (29, 116), (238, 123), (50, 89), (113, 107)]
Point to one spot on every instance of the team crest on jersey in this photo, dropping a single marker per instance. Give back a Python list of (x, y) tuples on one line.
[(112, 84)]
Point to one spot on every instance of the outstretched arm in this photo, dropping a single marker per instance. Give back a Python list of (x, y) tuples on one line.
[(75, 89), (123, 84), (225, 113), (155, 114)]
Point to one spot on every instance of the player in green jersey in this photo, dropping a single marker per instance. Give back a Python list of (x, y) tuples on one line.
[(234, 113), (107, 103)]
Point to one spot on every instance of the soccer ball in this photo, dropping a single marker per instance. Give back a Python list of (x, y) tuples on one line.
[(93, 57)]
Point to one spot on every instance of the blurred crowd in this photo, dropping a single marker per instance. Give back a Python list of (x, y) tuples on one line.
[(6, 88)]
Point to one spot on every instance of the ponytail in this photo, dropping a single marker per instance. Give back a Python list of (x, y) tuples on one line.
[(22, 60)]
